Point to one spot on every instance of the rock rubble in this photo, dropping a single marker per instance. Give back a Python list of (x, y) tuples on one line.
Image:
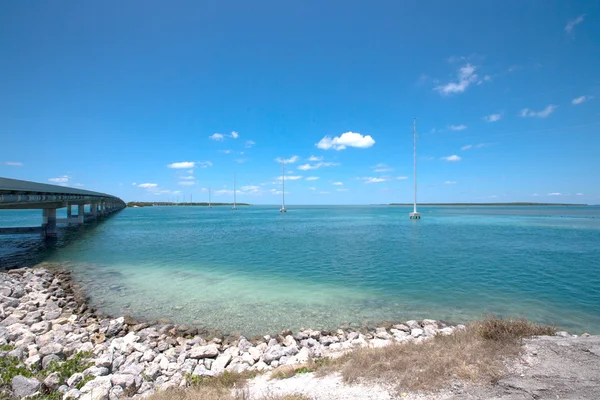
[(45, 320)]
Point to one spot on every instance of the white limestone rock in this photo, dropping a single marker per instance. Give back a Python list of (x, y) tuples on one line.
[(199, 352)]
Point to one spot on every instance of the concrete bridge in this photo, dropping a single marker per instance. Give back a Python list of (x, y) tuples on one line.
[(17, 194)]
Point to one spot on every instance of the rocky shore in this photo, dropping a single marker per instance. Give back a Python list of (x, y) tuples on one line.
[(46, 321), (53, 344)]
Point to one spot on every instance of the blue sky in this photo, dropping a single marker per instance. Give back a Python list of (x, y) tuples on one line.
[(113, 96)]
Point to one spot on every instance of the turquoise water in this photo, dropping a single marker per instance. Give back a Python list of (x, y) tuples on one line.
[(257, 271)]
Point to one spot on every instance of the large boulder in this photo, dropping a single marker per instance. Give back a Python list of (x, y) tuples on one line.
[(115, 326), (126, 381), (220, 363), (52, 381), (97, 389), (209, 351), (51, 348), (23, 387)]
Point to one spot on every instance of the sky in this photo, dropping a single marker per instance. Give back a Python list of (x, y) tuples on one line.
[(160, 101)]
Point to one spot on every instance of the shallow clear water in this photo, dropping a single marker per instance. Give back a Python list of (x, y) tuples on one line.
[(257, 271)]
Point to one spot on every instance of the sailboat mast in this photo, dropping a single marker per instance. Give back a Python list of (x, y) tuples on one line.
[(415, 162), (209, 188), (283, 185)]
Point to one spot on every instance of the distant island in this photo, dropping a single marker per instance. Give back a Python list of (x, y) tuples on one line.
[(166, 203), (491, 204)]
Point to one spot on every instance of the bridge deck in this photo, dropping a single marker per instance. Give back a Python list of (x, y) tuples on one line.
[(18, 194)]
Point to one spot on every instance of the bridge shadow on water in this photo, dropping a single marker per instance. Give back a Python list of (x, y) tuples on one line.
[(19, 251)]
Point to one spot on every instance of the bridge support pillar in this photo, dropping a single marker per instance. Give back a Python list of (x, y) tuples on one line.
[(80, 213), (49, 222), (94, 210), (69, 211)]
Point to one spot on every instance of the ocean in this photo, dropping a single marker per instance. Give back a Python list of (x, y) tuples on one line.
[(257, 271)]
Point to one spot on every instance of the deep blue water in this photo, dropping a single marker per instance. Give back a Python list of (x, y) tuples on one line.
[(258, 271)]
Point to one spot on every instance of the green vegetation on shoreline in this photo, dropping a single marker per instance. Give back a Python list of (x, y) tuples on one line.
[(164, 203), (492, 204)]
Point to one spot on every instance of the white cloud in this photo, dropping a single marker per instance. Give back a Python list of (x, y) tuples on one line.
[(61, 179), (342, 190), (474, 146), (250, 188), (79, 185), (382, 168), (240, 160), (13, 163), (348, 139), (307, 167), (148, 185), (579, 194), (181, 165), (250, 143), (290, 160), (133, 184), (526, 112), (460, 127), (450, 183), (312, 188), (289, 178), (466, 76), (374, 180), (217, 136), (315, 158), (486, 78), (204, 164), (535, 194), (554, 194), (492, 117), (235, 135), (312, 178), (581, 99), (338, 183), (453, 157), (187, 177), (401, 178), (571, 24)]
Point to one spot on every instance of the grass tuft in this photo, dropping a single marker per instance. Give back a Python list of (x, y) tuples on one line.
[(226, 380), (78, 363), (502, 330), (11, 367)]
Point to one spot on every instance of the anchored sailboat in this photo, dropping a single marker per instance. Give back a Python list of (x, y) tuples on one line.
[(415, 214), (209, 206), (283, 187), (234, 205)]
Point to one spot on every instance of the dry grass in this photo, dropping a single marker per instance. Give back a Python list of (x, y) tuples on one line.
[(212, 393), (502, 330), (477, 354), (226, 386)]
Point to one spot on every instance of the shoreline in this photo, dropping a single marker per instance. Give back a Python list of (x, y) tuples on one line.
[(45, 317)]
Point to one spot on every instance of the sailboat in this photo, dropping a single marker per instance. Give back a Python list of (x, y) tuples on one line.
[(209, 206), (283, 187), (234, 205), (415, 214)]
